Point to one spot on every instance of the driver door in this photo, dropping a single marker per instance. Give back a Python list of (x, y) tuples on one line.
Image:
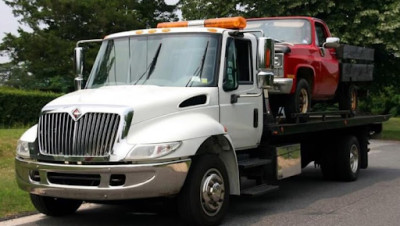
[(241, 115)]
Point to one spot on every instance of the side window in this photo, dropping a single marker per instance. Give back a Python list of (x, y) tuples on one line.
[(231, 76), (320, 34), (238, 62), (243, 48)]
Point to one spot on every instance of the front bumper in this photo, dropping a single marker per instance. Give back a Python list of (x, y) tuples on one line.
[(281, 86), (97, 182)]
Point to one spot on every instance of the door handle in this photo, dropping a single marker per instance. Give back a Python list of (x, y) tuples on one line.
[(251, 94), (235, 97)]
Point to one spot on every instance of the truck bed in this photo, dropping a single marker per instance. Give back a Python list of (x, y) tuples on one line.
[(323, 123)]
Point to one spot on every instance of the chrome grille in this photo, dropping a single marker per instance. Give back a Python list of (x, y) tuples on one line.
[(93, 134)]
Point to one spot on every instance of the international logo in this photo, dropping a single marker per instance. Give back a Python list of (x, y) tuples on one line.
[(76, 113)]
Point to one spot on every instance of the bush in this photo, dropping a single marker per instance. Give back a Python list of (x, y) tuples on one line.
[(20, 107), (386, 101)]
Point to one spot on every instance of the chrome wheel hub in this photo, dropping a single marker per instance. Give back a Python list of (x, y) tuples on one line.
[(353, 158), (303, 101), (212, 192)]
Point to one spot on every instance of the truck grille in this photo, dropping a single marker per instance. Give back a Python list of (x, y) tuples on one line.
[(93, 134)]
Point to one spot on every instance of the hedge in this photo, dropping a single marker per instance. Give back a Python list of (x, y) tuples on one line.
[(21, 107)]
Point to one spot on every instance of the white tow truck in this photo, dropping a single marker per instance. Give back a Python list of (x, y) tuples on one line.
[(181, 112)]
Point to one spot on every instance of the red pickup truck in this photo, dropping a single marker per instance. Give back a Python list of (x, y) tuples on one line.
[(311, 66)]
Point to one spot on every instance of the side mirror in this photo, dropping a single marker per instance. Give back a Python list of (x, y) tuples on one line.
[(265, 79), (265, 53), (78, 63), (332, 42)]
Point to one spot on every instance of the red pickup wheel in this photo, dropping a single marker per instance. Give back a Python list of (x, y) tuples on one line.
[(348, 98), (300, 101)]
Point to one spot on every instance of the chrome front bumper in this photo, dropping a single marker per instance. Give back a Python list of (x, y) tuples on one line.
[(281, 86), (140, 180)]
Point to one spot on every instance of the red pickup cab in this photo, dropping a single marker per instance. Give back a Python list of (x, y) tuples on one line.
[(307, 67)]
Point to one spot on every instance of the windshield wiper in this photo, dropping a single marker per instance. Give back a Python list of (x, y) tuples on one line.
[(149, 70), (199, 70)]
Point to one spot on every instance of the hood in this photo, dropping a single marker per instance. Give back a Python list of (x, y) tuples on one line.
[(146, 101)]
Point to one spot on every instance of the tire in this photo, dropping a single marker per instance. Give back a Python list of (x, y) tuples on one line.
[(300, 101), (348, 159), (55, 207), (348, 98), (197, 207)]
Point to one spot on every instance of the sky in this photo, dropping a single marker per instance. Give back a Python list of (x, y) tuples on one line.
[(8, 23)]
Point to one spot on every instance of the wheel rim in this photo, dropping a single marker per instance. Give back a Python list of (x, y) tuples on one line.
[(354, 158), (353, 100), (303, 101), (212, 192)]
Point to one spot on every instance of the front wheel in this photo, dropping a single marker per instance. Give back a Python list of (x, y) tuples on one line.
[(205, 196), (55, 207), (300, 101)]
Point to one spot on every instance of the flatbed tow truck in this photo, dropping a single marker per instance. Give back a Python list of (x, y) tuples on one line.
[(180, 112)]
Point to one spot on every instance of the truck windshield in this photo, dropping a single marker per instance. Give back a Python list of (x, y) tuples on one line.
[(295, 31), (179, 60)]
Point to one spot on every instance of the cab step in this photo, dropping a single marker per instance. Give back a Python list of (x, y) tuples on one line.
[(259, 190), (253, 162)]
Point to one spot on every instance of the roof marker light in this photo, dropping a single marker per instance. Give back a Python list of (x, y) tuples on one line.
[(229, 22)]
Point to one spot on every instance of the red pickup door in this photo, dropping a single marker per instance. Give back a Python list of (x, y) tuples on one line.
[(306, 66)]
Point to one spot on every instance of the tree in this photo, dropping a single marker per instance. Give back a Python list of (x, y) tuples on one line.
[(57, 25), (202, 9)]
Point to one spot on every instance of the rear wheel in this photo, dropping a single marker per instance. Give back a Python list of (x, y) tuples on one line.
[(205, 196), (343, 160), (348, 159), (348, 98), (55, 206)]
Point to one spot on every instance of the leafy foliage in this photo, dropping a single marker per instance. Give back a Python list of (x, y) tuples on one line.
[(20, 107), (57, 25), (385, 101)]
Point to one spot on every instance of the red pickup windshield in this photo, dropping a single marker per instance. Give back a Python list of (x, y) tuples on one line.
[(295, 31)]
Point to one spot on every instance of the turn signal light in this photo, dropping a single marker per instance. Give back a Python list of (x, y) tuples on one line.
[(229, 22)]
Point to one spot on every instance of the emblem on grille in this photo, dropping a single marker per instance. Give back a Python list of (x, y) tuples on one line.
[(76, 113)]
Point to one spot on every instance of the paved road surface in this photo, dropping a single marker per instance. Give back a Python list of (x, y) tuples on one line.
[(307, 199)]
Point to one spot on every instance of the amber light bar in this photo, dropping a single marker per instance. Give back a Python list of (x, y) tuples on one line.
[(229, 22)]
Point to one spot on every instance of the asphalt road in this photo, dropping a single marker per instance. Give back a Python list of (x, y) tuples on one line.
[(306, 199)]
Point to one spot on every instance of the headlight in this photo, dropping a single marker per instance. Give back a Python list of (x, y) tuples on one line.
[(148, 151), (23, 149), (278, 61)]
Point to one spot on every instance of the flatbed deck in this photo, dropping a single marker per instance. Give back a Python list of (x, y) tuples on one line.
[(318, 123)]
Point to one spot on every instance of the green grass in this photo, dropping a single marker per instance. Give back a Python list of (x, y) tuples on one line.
[(12, 200), (391, 129)]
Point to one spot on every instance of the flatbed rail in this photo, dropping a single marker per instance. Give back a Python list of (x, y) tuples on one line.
[(323, 123)]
